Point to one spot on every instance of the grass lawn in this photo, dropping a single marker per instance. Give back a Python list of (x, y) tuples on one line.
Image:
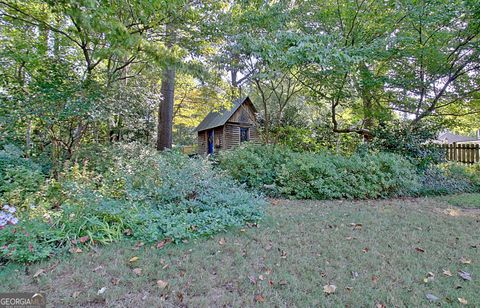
[(374, 252), (471, 201)]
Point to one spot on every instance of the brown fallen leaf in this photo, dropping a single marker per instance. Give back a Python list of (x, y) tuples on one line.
[(162, 243), (75, 250), (38, 273), (162, 284), (115, 281), (83, 239), (418, 249), (380, 306), (329, 288), (365, 250), (462, 301), (137, 271), (356, 225), (222, 241), (464, 260), (259, 298), (374, 279), (447, 273), (133, 259), (138, 245)]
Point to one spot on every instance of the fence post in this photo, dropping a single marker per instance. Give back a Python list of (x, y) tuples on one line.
[(454, 151)]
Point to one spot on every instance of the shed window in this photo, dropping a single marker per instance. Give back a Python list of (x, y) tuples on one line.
[(244, 135)]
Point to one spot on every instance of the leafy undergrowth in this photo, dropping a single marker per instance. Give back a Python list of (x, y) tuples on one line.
[(385, 252), (139, 194), (469, 201)]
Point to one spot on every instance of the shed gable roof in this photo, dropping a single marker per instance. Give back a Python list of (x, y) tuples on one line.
[(219, 118)]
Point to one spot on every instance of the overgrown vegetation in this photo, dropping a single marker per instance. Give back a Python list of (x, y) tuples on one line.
[(307, 175), (140, 194)]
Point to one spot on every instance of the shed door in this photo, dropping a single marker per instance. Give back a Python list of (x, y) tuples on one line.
[(210, 141)]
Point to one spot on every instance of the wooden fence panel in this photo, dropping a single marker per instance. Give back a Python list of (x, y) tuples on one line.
[(463, 153)]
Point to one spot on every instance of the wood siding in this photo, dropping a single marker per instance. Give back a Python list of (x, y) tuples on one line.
[(227, 137), (202, 142)]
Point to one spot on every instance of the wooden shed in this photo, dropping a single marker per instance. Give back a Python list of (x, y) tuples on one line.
[(227, 128)]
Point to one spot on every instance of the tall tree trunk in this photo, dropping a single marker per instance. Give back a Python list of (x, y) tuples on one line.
[(165, 110)]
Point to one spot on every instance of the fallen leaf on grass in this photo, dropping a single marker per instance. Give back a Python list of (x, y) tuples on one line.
[(222, 241), (464, 260), (75, 250), (96, 269), (259, 298), (162, 284), (115, 281), (83, 239), (283, 282), (137, 271), (162, 243), (432, 297), (127, 232), (76, 294), (101, 291), (462, 301), (380, 306), (348, 288), (447, 273), (418, 249), (430, 277), (465, 275), (261, 277), (365, 250), (374, 279), (329, 288), (133, 259), (356, 225), (138, 245), (38, 273)]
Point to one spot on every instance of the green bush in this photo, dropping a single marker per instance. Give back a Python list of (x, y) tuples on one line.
[(20, 178), (321, 175), (450, 178), (142, 194), (412, 142)]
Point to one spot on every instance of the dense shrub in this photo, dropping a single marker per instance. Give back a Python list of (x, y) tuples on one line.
[(449, 179), (19, 177), (321, 175), (412, 142), (140, 194)]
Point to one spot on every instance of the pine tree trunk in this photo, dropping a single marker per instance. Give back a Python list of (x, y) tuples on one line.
[(165, 110)]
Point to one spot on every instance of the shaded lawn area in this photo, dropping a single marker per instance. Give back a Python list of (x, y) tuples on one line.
[(374, 252), (471, 201)]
